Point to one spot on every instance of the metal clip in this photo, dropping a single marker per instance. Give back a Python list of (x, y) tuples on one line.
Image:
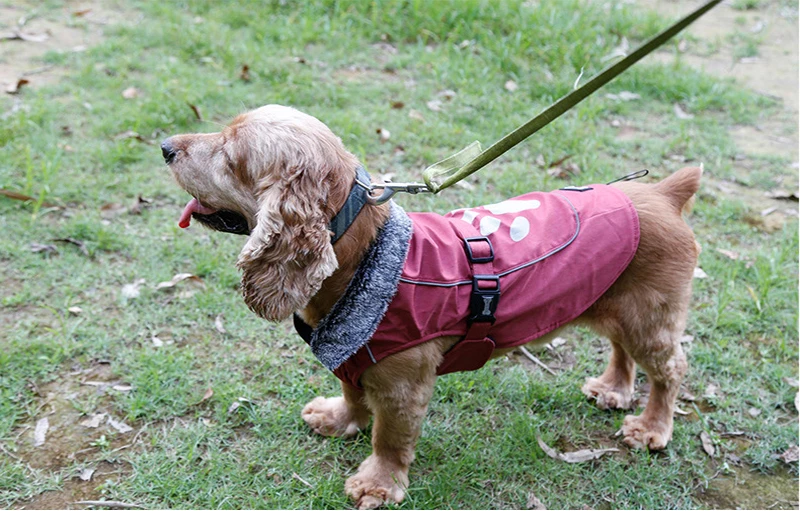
[(389, 189)]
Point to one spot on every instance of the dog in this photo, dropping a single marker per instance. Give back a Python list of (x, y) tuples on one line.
[(283, 179)]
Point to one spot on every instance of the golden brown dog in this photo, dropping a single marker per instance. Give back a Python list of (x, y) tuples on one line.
[(281, 175)]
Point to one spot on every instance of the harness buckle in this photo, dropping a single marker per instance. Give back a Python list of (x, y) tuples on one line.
[(483, 300), (479, 259)]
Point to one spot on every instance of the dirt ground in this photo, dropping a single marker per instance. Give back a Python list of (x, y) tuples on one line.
[(25, 38)]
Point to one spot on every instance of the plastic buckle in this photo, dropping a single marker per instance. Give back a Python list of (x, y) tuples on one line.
[(483, 302), (478, 260)]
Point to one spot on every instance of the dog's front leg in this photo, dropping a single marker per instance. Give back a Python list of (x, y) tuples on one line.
[(398, 391), (342, 416)]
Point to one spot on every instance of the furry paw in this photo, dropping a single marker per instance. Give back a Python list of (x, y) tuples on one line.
[(332, 417), (376, 484), (646, 434), (607, 396)]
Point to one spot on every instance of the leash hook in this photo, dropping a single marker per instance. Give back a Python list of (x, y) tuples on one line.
[(390, 189)]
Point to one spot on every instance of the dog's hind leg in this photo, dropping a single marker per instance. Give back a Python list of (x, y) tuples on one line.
[(665, 368), (614, 388), (342, 416)]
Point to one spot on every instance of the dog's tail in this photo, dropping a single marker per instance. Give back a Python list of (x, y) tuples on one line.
[(680, 187)]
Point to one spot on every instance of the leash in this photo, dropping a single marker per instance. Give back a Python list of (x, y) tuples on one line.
[(449, 171)]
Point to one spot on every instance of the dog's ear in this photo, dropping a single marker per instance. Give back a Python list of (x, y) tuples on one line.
[(289, 252)]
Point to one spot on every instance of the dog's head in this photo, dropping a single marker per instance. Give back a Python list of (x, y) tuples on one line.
[(277, 175)]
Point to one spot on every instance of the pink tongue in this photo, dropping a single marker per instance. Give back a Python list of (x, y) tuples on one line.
[(193, 206)]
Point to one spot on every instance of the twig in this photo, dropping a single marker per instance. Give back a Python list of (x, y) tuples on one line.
[(109, 503), (535, 360), (294, 475)]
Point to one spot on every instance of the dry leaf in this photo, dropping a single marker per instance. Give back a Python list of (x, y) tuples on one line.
[(208, 394), (119, 425), (125, 135), (218, 324), (753, 412), (122, 388), (196, 111), (15, 195), (576, 456), (792, 382), (138, 205), (233, 407), (130, 291), (534, 502), (40, 432), (397, 105), (111, 209), (383, 133), (711, 391), (131, 93), (681, 411), (700, 274), (558, 341), (791, 455), (244, 74), (86, 474), (78, 243), (708, 445), (728, 253), (156, 342), (416, 115), (82, 12), (14, 87), (48, 249), (680, 113), (434, 105), (181, 277), (511, 86), (75, 310), (447, 94)]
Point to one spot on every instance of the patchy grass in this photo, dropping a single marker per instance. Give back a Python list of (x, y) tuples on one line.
[(86, 154)]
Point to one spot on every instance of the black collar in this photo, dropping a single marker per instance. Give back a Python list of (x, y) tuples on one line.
[(352, 206)]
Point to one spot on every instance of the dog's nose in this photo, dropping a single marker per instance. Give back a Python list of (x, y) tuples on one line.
[(167, 151)]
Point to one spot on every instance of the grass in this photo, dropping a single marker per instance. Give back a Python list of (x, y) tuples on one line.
[(347, 62)]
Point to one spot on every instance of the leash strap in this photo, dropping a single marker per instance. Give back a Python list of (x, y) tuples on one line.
[(450, 170)]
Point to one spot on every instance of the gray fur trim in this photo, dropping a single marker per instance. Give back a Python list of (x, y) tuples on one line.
[(355, 317)]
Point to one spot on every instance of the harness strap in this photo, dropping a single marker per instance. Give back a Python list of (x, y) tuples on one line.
[(485, 287)]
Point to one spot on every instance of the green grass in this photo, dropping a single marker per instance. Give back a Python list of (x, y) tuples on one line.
[(346, 62)]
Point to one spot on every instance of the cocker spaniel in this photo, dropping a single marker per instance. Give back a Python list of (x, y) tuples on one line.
[(388, 300)]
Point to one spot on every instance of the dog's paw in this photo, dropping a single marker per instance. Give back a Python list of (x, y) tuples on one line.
[(641, 433), (376, 483), (607, 396), (332, 417)]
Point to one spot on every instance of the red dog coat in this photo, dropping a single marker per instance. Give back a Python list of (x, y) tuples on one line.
[(550, 256)]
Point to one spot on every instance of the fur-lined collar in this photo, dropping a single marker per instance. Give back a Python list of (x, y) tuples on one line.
[(355, 317)]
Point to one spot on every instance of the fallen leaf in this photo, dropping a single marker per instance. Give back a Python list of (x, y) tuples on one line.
[(78, 243), (119, 425), (576, 456), (753, 412), (244, 74), (511, 86), (138, 205), (708, 445), (728, 253), (40, 432), (434, 105), (218, 324), (196, 111), (539, 161), (86, 474), (397, 105), (680, 113), (792, 382), (416, 115), (156, 342), (447, 94), (383, 133), (791, 455), (233, 407), (624, 96), (534, 502), (208, 394), (75, 310), (48, 249), (122, 388), (711, 391), (14, 87), (558, 341), (700, 274), (125, 135), (681, 411), (782, 195), (181, 277), (130, 291), (131, 93), (82, 12), (16, 195)]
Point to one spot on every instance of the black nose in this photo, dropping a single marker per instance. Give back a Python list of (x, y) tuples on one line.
[(167, 151)]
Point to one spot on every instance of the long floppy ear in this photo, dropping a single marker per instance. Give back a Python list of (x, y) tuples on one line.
[(289, 252)]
